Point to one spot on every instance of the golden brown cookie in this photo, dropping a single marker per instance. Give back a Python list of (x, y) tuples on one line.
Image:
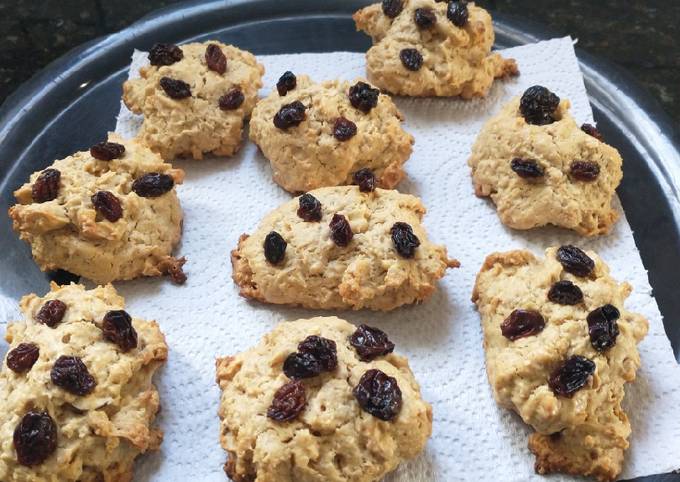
[(559, 348)]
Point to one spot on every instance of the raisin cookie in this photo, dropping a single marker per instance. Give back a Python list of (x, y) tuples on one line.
[(318, 135), (195, 98), (338, 248), (432, 48), (559, 348), (77, 400), (110, 213), (539, 167), (319, 400)]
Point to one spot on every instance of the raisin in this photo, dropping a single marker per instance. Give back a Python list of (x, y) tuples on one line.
[(289, 401), (290, 115), (565, 293), (301, 365), (593, 131), (274, 247), (370, 343), (411, 59), (107, 205), (107, 151), (458, 13), (286, 83), (571, 376), (117, 328), (153, 184), (175, 88), (23, 357), (575, 261), (363, 97), (215, 59), (404, 240), (232, 100), (51, 313), (323, 349), (392, 8), (522, 323), (46, 186), (35, 438), (538, 105), (526, 168), (585, 171), (379, 395), (71, 374), (165, 54), (341, 231), (344, 129), (602, 327), (310, 208), (425, 18), (365, 179)]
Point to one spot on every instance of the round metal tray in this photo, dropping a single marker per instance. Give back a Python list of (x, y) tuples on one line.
[(73, 102)]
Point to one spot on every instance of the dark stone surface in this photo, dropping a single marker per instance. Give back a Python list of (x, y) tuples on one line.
[(641, 36)]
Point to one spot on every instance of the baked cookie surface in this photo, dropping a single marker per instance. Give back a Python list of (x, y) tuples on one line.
[(77, 402), (559, 348), (338, 247), (195, 98), (544, 169), (341, 128), (431, 48), (320, 427), (111, 217)]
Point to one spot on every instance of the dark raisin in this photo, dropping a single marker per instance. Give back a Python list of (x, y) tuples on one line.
[(602, 327), (392, 8), (323, 349), (232, 100), (165, 54), (215, 59), (341, 231), (379, 395), (565, 293), (585, 171), (289, 401), (527, 168), (571, 376), (23, 357), (290, 115), (175, 88), (365, 179), (411, 59), (71, 374), (117, 328), (301, 365), (591, 130), (522, 323), (370, 343), (425, 18), (344, 129), (286, 83), (575, 261), (35, 438), (538, 105), (46, 186), (107, 205), (458, 13), (274, 247), (363, 97), (310, 208), (107, 151), (153, 184), (404, 240), (51, 313)]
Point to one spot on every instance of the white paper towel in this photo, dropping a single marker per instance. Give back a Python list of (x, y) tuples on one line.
[(473, 439)]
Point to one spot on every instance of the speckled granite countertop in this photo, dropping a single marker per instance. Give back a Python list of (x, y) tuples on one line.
[(641, 36)]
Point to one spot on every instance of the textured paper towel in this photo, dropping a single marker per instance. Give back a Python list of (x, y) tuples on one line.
[(473, 439)]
